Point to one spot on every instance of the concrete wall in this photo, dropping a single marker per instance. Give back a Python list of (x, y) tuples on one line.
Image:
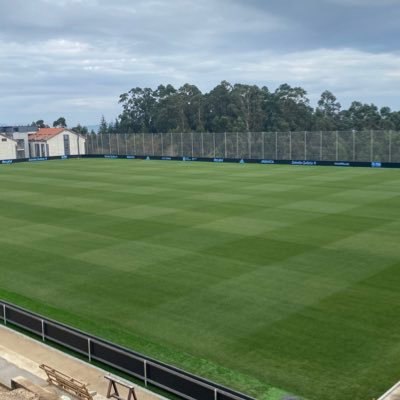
[(8, 148)]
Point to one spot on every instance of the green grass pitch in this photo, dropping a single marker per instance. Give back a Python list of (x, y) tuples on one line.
[(270, 279)]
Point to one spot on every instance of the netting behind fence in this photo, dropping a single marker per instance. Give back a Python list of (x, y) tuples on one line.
[(368, 146)]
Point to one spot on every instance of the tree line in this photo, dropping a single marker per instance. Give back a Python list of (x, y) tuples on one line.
[(236, 108), (241, 108)]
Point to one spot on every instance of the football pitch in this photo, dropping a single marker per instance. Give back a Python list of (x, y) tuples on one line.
[(268, 279)]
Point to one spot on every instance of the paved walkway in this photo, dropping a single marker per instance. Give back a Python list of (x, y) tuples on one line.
[(392, 394), (21, 352)]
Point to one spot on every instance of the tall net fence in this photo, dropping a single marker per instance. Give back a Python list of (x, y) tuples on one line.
[(364, 146)]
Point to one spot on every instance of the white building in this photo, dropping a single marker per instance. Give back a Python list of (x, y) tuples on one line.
[(8, 148), (20, 135), (48, 142)]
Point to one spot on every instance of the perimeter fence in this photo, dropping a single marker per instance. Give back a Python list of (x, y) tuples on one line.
[(152, 372), (363, 146)]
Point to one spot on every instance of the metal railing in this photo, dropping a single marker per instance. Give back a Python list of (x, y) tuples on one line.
[(174, 380)]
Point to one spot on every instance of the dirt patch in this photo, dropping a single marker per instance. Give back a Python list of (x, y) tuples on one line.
[(17, 394)]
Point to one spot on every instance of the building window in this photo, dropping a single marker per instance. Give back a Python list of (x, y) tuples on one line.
[(67, 150), (3, 139)]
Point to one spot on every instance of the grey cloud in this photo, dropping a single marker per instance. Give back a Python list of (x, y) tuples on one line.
[(74, 57)]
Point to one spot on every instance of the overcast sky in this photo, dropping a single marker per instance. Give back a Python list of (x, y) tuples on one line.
[(73, 58)]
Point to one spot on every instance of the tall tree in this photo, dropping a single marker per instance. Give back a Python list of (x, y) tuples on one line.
[(40, 124), (326, 116), (103, 128), (60, 123), (362, 116), (291, 109), (82, 130)]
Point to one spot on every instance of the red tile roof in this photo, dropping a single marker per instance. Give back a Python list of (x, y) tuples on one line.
[(45, 134)]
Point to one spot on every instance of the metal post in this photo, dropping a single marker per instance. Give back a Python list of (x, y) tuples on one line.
[(305, 145), (4, 314), (43, 338), (192, 144), (372, 146), (320, 145), (134, 143), (276, 145), (143, 143), (117, 143), (290, 145), (237, 144), (214, 142), (102, 144), (145, 373), (354, 146), (126, 144), (172, 146), (225, 145), (89, 351), (109, 142), (215, 394), (162, 144), (152, 143), (182, 144), (390, 146), (202, 145), (263, 145), (249, 138), (337, 146)]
